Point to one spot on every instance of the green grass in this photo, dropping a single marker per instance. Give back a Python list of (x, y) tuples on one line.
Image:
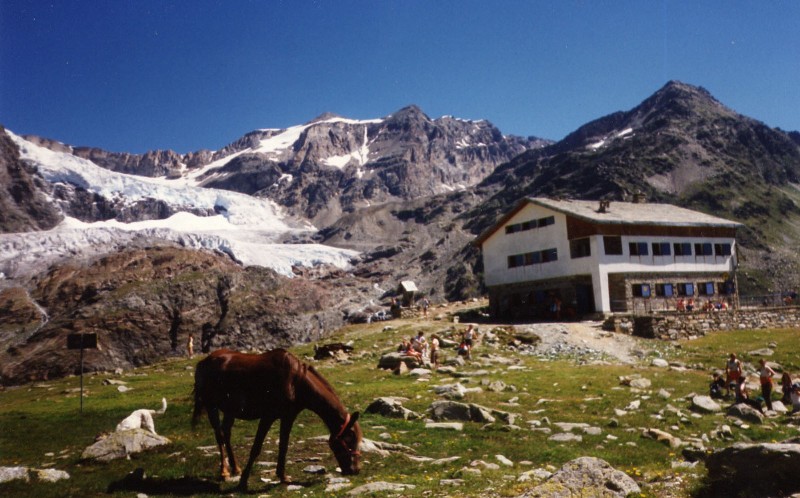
[(41, 424)]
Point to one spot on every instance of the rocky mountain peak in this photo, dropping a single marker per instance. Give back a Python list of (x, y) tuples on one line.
[(325, 116)]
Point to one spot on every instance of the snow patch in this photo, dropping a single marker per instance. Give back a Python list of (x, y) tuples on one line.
[(596, 145)]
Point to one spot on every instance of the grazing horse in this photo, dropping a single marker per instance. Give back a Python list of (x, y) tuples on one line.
[(270, 386)]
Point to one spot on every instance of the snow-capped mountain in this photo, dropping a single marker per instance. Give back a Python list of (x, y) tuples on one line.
[(333, 165)]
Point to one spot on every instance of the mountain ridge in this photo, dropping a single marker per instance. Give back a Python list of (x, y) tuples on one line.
[(378, 187)]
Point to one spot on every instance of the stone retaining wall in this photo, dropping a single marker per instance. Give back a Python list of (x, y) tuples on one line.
[(675, 325)]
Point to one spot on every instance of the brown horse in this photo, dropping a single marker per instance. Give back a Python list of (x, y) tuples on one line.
[(270, 386)]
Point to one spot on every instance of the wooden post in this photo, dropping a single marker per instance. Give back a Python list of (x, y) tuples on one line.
[(82, 341)]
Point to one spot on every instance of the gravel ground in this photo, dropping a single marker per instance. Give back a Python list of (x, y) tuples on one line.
[(585, 338)]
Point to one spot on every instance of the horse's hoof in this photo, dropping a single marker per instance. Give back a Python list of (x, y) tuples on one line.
[(286, 480)]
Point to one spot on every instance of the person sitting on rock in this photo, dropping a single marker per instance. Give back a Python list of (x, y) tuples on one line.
[(795, 397), (786, 388), (717, 385), (410, 351), (743, 395)]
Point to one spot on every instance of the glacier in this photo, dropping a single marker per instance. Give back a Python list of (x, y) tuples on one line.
[(248, 229)]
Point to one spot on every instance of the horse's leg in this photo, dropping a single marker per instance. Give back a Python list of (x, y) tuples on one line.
[(263, 427), (283, 446), (227, 427), (213, 418)]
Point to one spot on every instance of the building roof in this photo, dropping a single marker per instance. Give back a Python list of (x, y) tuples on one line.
[(618, 213)]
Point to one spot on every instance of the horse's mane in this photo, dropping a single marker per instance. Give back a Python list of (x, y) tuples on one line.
[(298, 370)]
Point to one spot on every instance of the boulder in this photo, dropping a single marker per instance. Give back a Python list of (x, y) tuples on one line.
[(565, 437), (766, 469), (50, 475), (705, 404), (662, 436), (390, 361), (452, 410), (746, 412), (762, 352), (586, 476), (640, 383), (391, 407), (660, 362), (120, 444), (454, 391), (453, 426), (449, 410), (13, 473)]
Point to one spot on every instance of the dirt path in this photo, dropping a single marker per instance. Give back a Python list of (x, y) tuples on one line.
[(585, 337)]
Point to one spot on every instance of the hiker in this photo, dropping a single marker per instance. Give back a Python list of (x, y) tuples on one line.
[(786, 388), (733, 371), (717, 385), (420, 344), (794, 396), (469, 338), (765, 374), (435, 352), (425, 304)]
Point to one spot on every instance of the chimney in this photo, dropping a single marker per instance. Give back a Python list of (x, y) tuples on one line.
[(639, 197), (604, 205)]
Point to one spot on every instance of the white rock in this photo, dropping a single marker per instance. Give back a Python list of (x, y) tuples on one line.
[(505, 461)]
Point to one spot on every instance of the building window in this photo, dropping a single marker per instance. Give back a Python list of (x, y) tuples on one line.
[(706, 289), (686, 289), (516, 260), (665, 290), (682, 248), (549, 255), (532, 258), (638, 248), (722, 249), (579, 248), (641, 290), (612, 245), (703, 249), (661, 249), (530, 225)]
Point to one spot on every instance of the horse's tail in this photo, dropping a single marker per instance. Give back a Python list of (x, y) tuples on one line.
[(163, 406), (199, 384)]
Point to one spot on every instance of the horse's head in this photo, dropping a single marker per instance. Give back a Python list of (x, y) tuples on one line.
[(344, 445)]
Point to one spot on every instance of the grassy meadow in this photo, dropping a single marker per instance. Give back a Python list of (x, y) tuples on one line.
[(41, 426)]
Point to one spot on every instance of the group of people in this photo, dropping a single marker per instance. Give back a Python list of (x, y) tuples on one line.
[(419, 347), (425, 352), (683, 305), (736, 381)]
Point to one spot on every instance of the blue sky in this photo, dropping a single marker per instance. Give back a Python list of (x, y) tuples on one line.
[(132, 76)]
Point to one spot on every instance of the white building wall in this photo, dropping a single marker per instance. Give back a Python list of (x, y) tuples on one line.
[(498, 247)]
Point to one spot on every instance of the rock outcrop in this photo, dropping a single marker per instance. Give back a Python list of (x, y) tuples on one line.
[(767, 469), (585, 476), (23, 194), (120, 444)]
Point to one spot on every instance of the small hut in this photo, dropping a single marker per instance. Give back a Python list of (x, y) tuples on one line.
[(407, 291)]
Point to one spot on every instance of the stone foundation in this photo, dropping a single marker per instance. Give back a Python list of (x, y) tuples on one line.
[(674, 325)]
